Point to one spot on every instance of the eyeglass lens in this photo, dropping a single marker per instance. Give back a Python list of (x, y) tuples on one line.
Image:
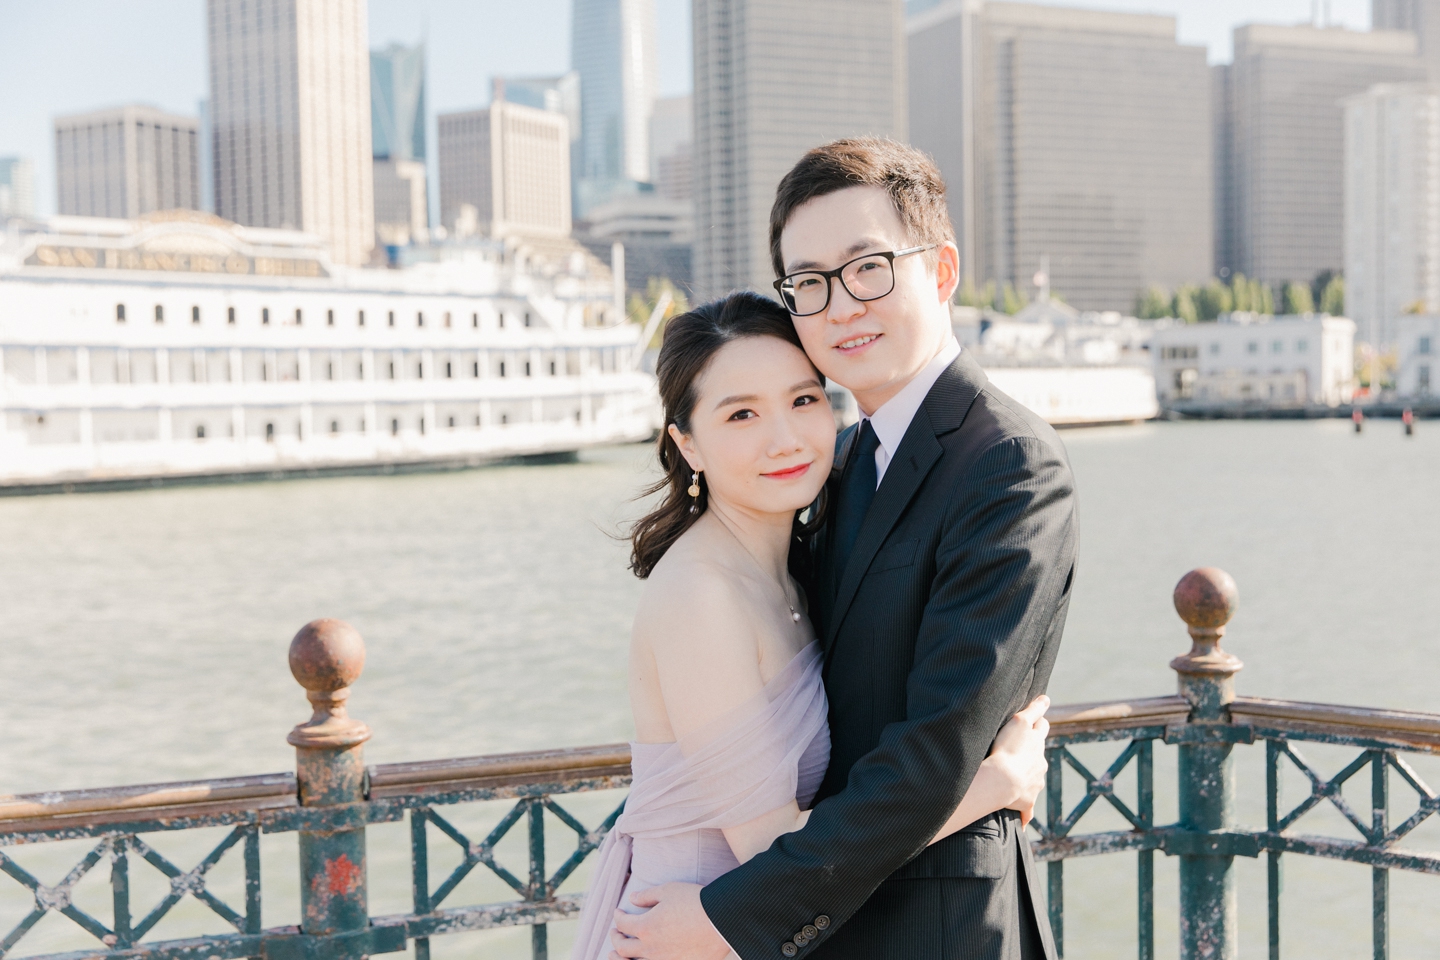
[(868, 278)]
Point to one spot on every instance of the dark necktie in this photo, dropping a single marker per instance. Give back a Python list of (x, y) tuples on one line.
[(857, 489)]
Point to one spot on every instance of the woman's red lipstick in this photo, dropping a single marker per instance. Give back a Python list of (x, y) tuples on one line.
[(788, 473)]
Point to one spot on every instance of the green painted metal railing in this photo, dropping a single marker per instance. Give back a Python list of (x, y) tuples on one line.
[(334, 796)]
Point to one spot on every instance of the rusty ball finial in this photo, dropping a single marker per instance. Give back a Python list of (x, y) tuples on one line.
[(326, 657), (1206, 600)]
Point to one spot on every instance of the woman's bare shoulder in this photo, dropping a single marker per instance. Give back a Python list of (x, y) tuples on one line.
[(692, 598)]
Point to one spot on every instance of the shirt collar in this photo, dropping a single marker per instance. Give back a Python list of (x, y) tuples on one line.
[(893, 418)]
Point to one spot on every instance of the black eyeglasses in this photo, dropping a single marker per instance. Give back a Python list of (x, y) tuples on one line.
[(870, 277)]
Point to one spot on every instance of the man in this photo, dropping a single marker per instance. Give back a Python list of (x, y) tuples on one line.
[(940, 588)]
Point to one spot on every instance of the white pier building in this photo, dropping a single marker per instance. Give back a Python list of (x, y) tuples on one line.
[(180, 344)]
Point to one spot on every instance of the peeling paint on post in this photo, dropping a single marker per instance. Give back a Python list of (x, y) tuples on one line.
[(326, 657), (1209, 930)]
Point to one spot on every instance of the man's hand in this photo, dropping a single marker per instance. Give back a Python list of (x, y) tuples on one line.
[(674, 928)]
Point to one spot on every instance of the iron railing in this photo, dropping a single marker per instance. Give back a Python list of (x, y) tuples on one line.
[(333, 797)]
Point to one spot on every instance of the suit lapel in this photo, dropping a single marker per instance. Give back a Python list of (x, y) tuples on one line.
[(944, 410)]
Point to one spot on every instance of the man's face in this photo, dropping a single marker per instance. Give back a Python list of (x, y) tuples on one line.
[(872, 347)]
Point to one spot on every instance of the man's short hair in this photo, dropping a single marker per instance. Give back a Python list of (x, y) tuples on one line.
[(908, 175)]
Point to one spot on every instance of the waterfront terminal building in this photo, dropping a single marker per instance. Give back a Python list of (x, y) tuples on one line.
[(180, 344)]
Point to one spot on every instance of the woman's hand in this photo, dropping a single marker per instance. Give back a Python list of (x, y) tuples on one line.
[(1019, 756)]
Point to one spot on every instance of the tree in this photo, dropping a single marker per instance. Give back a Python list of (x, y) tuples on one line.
[(1010, 300), (1214, 299), (968, 296), (1332, 297), (1153, 303), (1184, 304), (1240, 293), (1263, 297), (1297, 298), (640, 307)]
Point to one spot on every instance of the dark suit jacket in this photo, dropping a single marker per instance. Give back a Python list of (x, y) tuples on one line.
[(945, 622)]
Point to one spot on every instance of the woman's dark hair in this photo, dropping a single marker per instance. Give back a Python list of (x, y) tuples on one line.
[(691, 341)]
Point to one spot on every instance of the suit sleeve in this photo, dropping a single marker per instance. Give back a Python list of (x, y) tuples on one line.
[(1002, 565)]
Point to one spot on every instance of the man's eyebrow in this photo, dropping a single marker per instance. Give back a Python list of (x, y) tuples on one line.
[(854, 250)]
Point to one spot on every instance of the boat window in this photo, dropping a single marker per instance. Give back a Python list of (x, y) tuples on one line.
[(360, 318), (475, 320), (159, 313), (329, 318), (297, 316), (119, 313), (265, 315), (229, 314), (419, 319), (194, 314), (392, 318), (448, 372)]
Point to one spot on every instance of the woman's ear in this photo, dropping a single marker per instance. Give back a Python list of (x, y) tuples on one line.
[(687, 447)]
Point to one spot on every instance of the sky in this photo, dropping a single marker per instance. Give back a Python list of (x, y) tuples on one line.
[(70, 56)]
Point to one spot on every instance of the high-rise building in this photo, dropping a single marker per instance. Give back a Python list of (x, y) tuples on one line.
[(290, 100), (1074, 138), (672, 132), (612, 48), (17, 187), (1282, 187), (1392, 206), (1420, 17), (508, 167), (126, 162), (774, 78), (557, 94), (397, 102)]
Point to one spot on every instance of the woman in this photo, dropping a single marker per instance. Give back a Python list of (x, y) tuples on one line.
[(725, 684)]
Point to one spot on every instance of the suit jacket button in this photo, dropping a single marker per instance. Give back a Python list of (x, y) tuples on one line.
[(822, 922), (811, 931), (789, 949), (800, 939)]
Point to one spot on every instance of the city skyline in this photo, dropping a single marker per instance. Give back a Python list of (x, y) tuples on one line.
[(468, 44)]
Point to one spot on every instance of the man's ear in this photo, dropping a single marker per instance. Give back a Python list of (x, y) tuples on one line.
[(687, 447), (947, 271)]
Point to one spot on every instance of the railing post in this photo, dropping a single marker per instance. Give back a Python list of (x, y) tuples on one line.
[(1209, 930), (326, 657)]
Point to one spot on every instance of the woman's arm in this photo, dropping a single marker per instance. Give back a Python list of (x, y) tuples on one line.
[(1010, 778)]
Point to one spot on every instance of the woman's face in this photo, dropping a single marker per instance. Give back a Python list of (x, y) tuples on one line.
[(762, 431)]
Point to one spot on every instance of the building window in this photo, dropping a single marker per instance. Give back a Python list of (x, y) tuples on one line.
[(194, 314), (1252, 347), (200, 432), (229, 314), (391, 317), (1422, 378), (360, 318), (265, 315), (269, 433), (119, 313), (475, 320), (502, 368), (1302, 345), (1424, 345), (448, 373), (394, 428), (419, 319), (1278, 346), (159, 313), (297, 316), (1214, 349)]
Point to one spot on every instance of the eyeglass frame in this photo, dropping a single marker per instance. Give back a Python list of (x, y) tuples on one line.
[(838, 274)]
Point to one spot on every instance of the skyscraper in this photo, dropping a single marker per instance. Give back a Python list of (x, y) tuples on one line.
[(17, 187), (397, 102), (559, 94), (1420, 17), (1076, 138), (672, 132), (774, 78), (1282, 187), (612, 48), (126, 162), (1392, 206), (290, 100), (510, 165)]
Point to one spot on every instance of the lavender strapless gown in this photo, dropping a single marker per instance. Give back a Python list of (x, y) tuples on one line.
[(757, 757)]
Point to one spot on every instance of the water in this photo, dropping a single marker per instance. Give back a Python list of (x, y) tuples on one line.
[(143, 634)]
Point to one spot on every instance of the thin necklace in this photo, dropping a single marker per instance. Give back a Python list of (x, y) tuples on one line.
[(784, 594)]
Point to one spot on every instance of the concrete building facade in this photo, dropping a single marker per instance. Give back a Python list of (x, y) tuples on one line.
[(1417, 342), (762, 98), (1074, 136), (17, 187), (612, 48), (290, 100), (1392, 206), (510, 164), (1420, 17), (126, 162), (1282, 188)]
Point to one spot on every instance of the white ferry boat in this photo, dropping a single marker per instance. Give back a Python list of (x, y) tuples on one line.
[(182, 345)]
